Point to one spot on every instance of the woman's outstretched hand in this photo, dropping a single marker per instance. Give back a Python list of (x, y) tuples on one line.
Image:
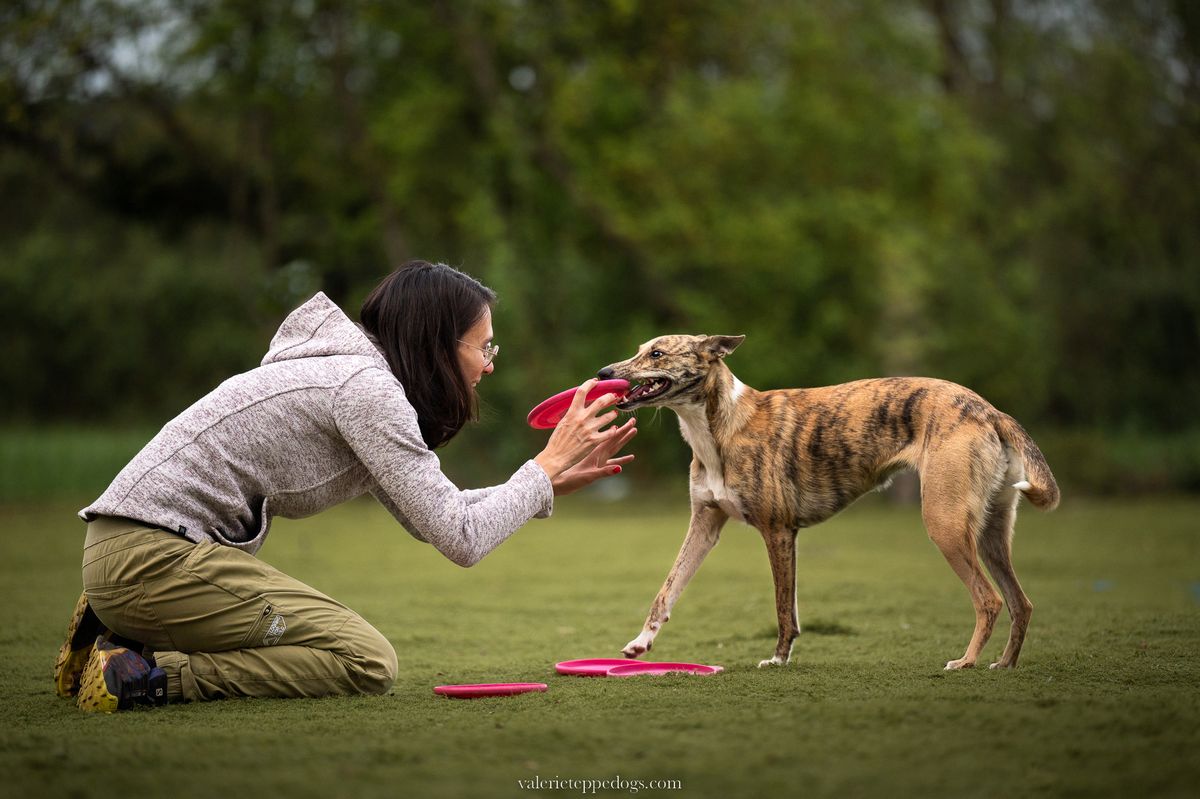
[(600, 463), (581, 448)]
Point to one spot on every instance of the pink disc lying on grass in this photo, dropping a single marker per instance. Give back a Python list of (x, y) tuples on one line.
[(634, 669), (590, 667), (623, 667), (489, 689), (551, 411)]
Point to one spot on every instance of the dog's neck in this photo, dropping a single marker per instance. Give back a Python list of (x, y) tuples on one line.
[(724, 410)]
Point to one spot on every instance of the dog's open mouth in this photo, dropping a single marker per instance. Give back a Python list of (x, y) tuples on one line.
[(645, 391)]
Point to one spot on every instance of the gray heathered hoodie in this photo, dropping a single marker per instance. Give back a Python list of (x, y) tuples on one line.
[(321, 421)]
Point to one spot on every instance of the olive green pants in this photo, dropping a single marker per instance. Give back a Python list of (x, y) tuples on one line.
[(222, 623)]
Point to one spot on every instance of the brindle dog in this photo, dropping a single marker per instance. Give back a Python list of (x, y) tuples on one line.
[(782, 460)]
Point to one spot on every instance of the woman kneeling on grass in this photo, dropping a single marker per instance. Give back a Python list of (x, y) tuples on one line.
[(175, 605)]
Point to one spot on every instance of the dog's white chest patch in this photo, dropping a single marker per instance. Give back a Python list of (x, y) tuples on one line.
[(711, 485)]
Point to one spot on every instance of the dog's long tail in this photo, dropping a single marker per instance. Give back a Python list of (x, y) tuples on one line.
[(1039, 485)]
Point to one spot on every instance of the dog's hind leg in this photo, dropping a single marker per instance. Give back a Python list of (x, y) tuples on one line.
[(781, 549), (953, 506), (995, 545), (702, 535)]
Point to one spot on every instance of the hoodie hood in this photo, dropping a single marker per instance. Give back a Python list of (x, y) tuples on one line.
[(317, 329)]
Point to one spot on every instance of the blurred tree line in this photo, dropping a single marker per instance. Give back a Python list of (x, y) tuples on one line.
[(1004, 193)]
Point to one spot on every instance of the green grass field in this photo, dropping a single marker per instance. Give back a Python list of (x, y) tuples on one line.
[(1105, 703)]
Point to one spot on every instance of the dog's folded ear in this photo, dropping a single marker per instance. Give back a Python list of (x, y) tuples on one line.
[(720, 346)]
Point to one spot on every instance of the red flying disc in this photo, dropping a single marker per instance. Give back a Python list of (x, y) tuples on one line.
[(550, 412), (489, 689), (589, 667), (634, 669)]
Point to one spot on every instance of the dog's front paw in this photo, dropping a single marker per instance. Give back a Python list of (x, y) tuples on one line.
[(643, 643), (775, 661), (961, 663)]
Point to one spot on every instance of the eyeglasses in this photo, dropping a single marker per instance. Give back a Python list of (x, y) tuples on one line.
[(489, 352)]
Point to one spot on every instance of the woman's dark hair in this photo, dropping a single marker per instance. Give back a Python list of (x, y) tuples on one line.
[(417, 314)]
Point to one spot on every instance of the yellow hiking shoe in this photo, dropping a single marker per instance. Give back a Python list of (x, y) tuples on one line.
[(75, 651), (117, 678)]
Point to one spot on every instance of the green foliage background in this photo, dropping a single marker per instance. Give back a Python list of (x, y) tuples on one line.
[(1001, 193)]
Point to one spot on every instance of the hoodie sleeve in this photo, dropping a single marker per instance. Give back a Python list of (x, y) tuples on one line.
[(380, 426), (473, 495), (469, 495)]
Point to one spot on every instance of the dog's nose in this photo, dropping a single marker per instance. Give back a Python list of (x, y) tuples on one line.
[(606, 373)]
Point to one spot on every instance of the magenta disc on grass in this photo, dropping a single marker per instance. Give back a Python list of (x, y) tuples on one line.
[(489, 689), (634, 669), (589, 667)]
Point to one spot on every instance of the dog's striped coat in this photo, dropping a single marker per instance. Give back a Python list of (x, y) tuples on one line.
[(782, 460)]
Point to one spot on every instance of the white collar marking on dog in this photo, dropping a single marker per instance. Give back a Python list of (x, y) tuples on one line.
[(711, 488), (738, 388)]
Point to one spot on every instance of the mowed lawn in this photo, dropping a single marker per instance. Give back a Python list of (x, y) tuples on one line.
[(1106, 701)]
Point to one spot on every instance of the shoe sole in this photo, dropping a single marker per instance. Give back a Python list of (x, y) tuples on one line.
[(77, 649), (94, 693), (116, 678)]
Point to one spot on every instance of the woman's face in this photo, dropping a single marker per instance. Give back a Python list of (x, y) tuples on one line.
[(471, 346)]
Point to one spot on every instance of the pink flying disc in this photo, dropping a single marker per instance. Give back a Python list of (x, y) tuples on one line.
[(589, 667), (489, 689), (634, 669), (550, 412)]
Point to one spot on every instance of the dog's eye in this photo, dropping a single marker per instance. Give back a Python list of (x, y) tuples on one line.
[(656, 354)]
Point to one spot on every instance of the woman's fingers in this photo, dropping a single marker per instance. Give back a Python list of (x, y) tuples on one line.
[(580, 399), (602, 402), (618, 438), (582, 435), (621, 435), (594, 452), (603, 419), (587, 414), (592, 427)]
